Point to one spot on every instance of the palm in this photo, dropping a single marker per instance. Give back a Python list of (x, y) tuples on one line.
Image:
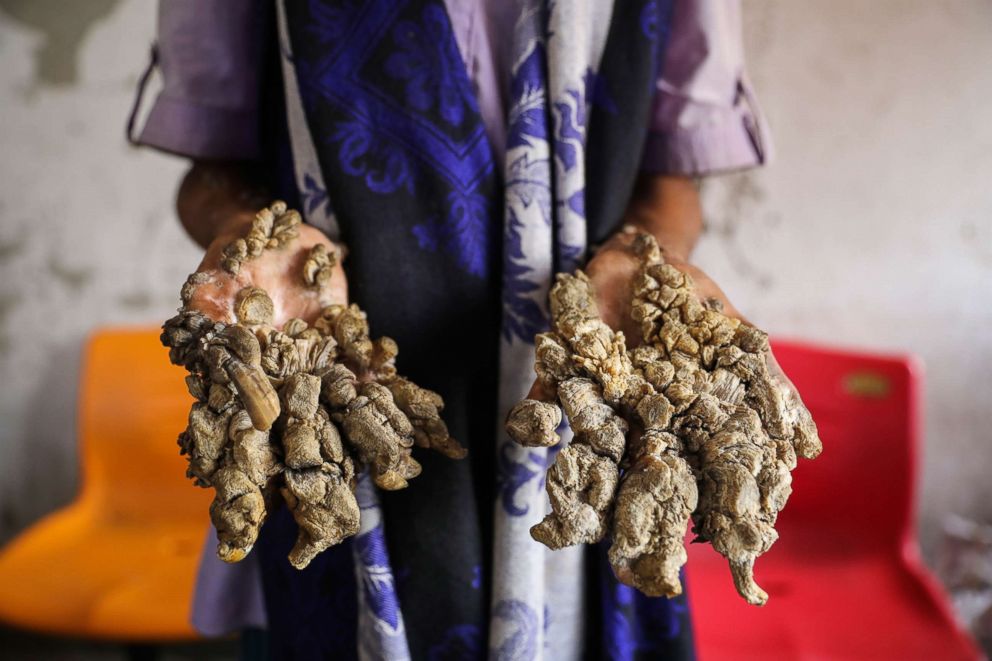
[(612, 271), (277, 272)]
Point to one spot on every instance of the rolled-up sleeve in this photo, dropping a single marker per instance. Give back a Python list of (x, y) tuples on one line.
[(704, 117), (209, 55)]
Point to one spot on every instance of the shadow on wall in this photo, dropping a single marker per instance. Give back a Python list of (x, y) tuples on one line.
[(63, 26)]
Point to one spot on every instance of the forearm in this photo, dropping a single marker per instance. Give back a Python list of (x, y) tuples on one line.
[(215, 198), (668, 208)]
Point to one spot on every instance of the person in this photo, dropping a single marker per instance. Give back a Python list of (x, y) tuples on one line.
[(460, 153)]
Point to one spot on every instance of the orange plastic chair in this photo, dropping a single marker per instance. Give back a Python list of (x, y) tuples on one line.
[(845, 578), (119, 563)]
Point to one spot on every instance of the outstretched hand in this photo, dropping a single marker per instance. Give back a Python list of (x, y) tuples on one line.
[(612, 270), (689, 425), (294, 399)]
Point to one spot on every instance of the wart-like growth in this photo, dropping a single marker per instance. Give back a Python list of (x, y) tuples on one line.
[(692, 424), (296, 411)]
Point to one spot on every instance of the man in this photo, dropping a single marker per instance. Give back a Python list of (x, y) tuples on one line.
[(461, 153)]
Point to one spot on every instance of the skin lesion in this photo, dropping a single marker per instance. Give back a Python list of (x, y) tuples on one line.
[(693, 424), (291, 409)]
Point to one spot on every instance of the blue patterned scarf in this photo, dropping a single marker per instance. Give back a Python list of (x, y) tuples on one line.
[(454, 259)]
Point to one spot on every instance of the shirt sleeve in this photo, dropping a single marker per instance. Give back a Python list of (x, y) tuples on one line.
[(209, 55), (704, 118)]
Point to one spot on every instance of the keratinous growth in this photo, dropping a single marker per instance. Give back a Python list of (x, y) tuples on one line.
[(295, 411), (691, 424)]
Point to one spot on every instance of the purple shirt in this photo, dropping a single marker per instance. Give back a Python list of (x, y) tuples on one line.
[(704, 118), (209, 54)]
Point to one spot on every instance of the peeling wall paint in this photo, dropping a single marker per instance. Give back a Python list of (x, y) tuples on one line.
[(872, 229), (88, 235), (62, 27)]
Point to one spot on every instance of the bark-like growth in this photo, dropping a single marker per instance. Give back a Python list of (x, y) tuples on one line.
[(690, 425), (295, 411)]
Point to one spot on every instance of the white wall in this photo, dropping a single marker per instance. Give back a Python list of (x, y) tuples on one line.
[(87, 231), (872, 229)]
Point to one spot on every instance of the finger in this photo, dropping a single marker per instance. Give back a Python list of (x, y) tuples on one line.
[(534, 423), (776, 370)]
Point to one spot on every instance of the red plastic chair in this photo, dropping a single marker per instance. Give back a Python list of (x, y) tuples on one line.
[(845, 578)]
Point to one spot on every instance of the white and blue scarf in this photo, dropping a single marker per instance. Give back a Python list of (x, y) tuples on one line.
[(454, 259)]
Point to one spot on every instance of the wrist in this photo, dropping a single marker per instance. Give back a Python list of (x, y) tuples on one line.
[(218, 199), (676, 244), (667, 208), (230, 224)]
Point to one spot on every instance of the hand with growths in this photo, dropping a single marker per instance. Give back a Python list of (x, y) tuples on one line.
[(681, 415), (293, 397)]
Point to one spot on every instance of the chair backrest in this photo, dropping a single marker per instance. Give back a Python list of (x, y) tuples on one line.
[(867, 409), (132, 405)]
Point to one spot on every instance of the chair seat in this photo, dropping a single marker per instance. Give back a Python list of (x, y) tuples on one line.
[(845, 580), (822, 606), (77, 573)]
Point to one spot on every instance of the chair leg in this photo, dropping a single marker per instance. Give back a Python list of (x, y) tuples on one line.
[(142, 652)]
